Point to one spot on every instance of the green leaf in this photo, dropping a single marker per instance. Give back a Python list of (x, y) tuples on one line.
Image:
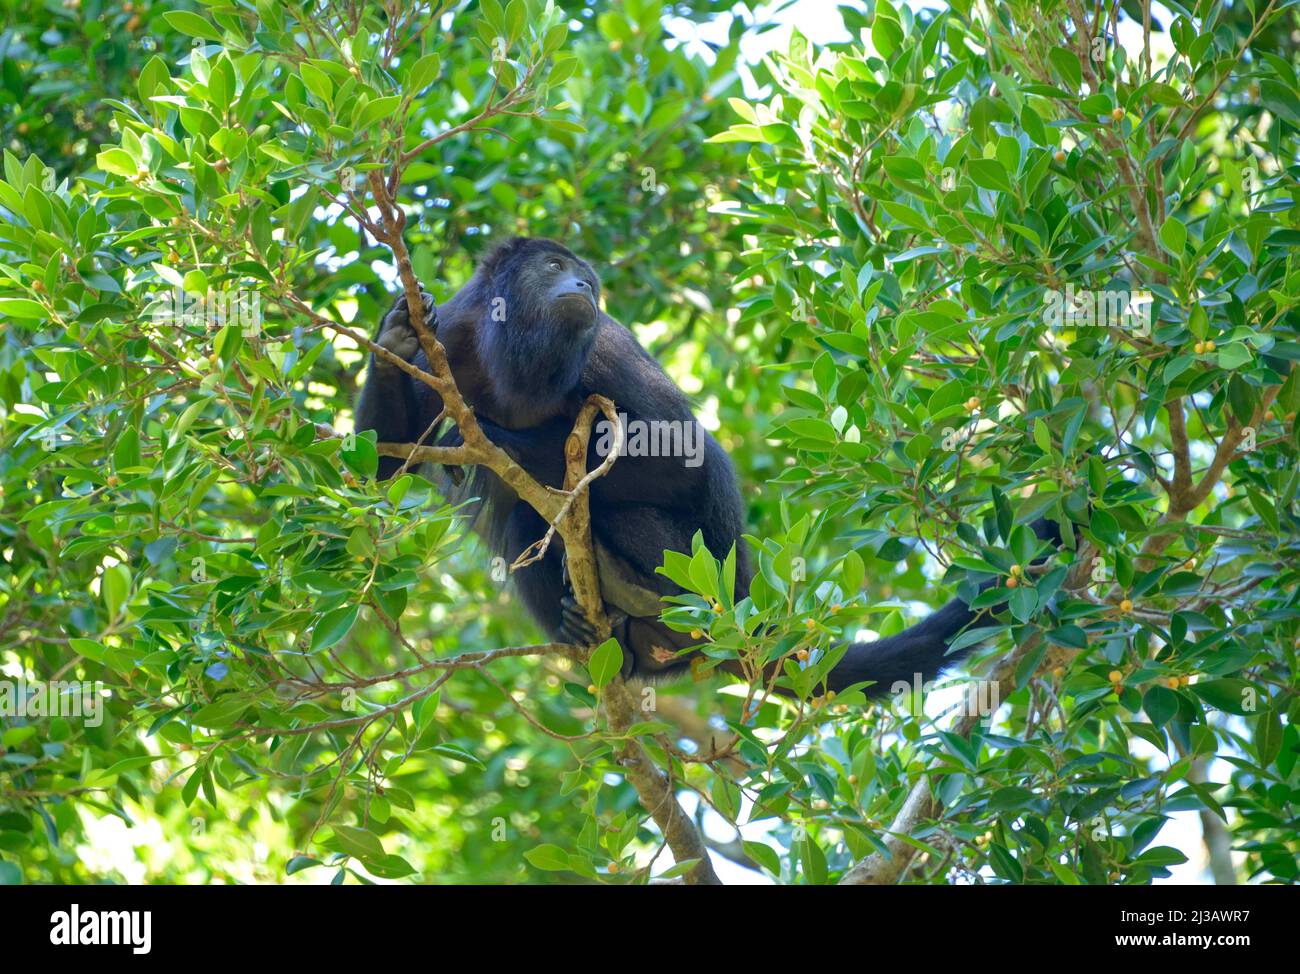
[(317, 82), (360, 843), (1160, 704), (918, 447), (1174, 236), (765, 856), (1042, 436), (115, 584), (423, 72), (1104, 527), (23, 308), (989, 174), (853, 572), (679, 869), (1268, 737), (1024, 600), (606, 662), (192, 24), (333, 626), (222, 712), (1230, 695), (377, 110), (549, 857), (458, 754)]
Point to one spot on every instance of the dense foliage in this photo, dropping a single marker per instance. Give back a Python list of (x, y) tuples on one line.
[(968, 268)]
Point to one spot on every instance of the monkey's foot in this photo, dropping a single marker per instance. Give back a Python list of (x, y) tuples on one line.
[(574, 627)]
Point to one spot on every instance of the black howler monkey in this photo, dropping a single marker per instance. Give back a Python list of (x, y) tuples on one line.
[(527, 343)]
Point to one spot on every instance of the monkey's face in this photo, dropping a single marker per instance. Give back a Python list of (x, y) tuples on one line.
[(568, 287)]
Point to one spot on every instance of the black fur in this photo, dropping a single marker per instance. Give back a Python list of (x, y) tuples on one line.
[(527, 344)]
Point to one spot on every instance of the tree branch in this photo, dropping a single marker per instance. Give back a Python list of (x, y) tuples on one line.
[(655, 790)]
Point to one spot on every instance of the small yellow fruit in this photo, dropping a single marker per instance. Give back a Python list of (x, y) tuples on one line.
[(802, 655), (853, 779), (591, 688), (972, 403), (1117, 114), (613, 867), (697, 633), (1126, 605), (830, 694), (1209, 346), (1199, 348), (1058, 672), (1189, 565), (1172, 683), (1116, 676), (809, 623), (1059, 155), (835, 608), (1017, 570), (1012, 582), (1185, 679), (112, 480)]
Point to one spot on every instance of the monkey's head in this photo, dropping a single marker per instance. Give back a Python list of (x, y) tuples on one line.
[(540, 311), (535, 283)]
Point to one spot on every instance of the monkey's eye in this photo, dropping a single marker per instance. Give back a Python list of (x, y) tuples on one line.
[(554, 264)]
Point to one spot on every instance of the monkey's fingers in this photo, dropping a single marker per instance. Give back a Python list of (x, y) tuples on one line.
[(430, 310), (399, 316)]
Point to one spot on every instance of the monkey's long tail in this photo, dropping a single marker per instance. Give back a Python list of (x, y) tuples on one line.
[(913, 656), (920, 652)]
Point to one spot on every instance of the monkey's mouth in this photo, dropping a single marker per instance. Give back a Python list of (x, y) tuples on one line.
[(576, 306)]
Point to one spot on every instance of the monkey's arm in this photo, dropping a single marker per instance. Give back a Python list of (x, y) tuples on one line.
[(390, 403)]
